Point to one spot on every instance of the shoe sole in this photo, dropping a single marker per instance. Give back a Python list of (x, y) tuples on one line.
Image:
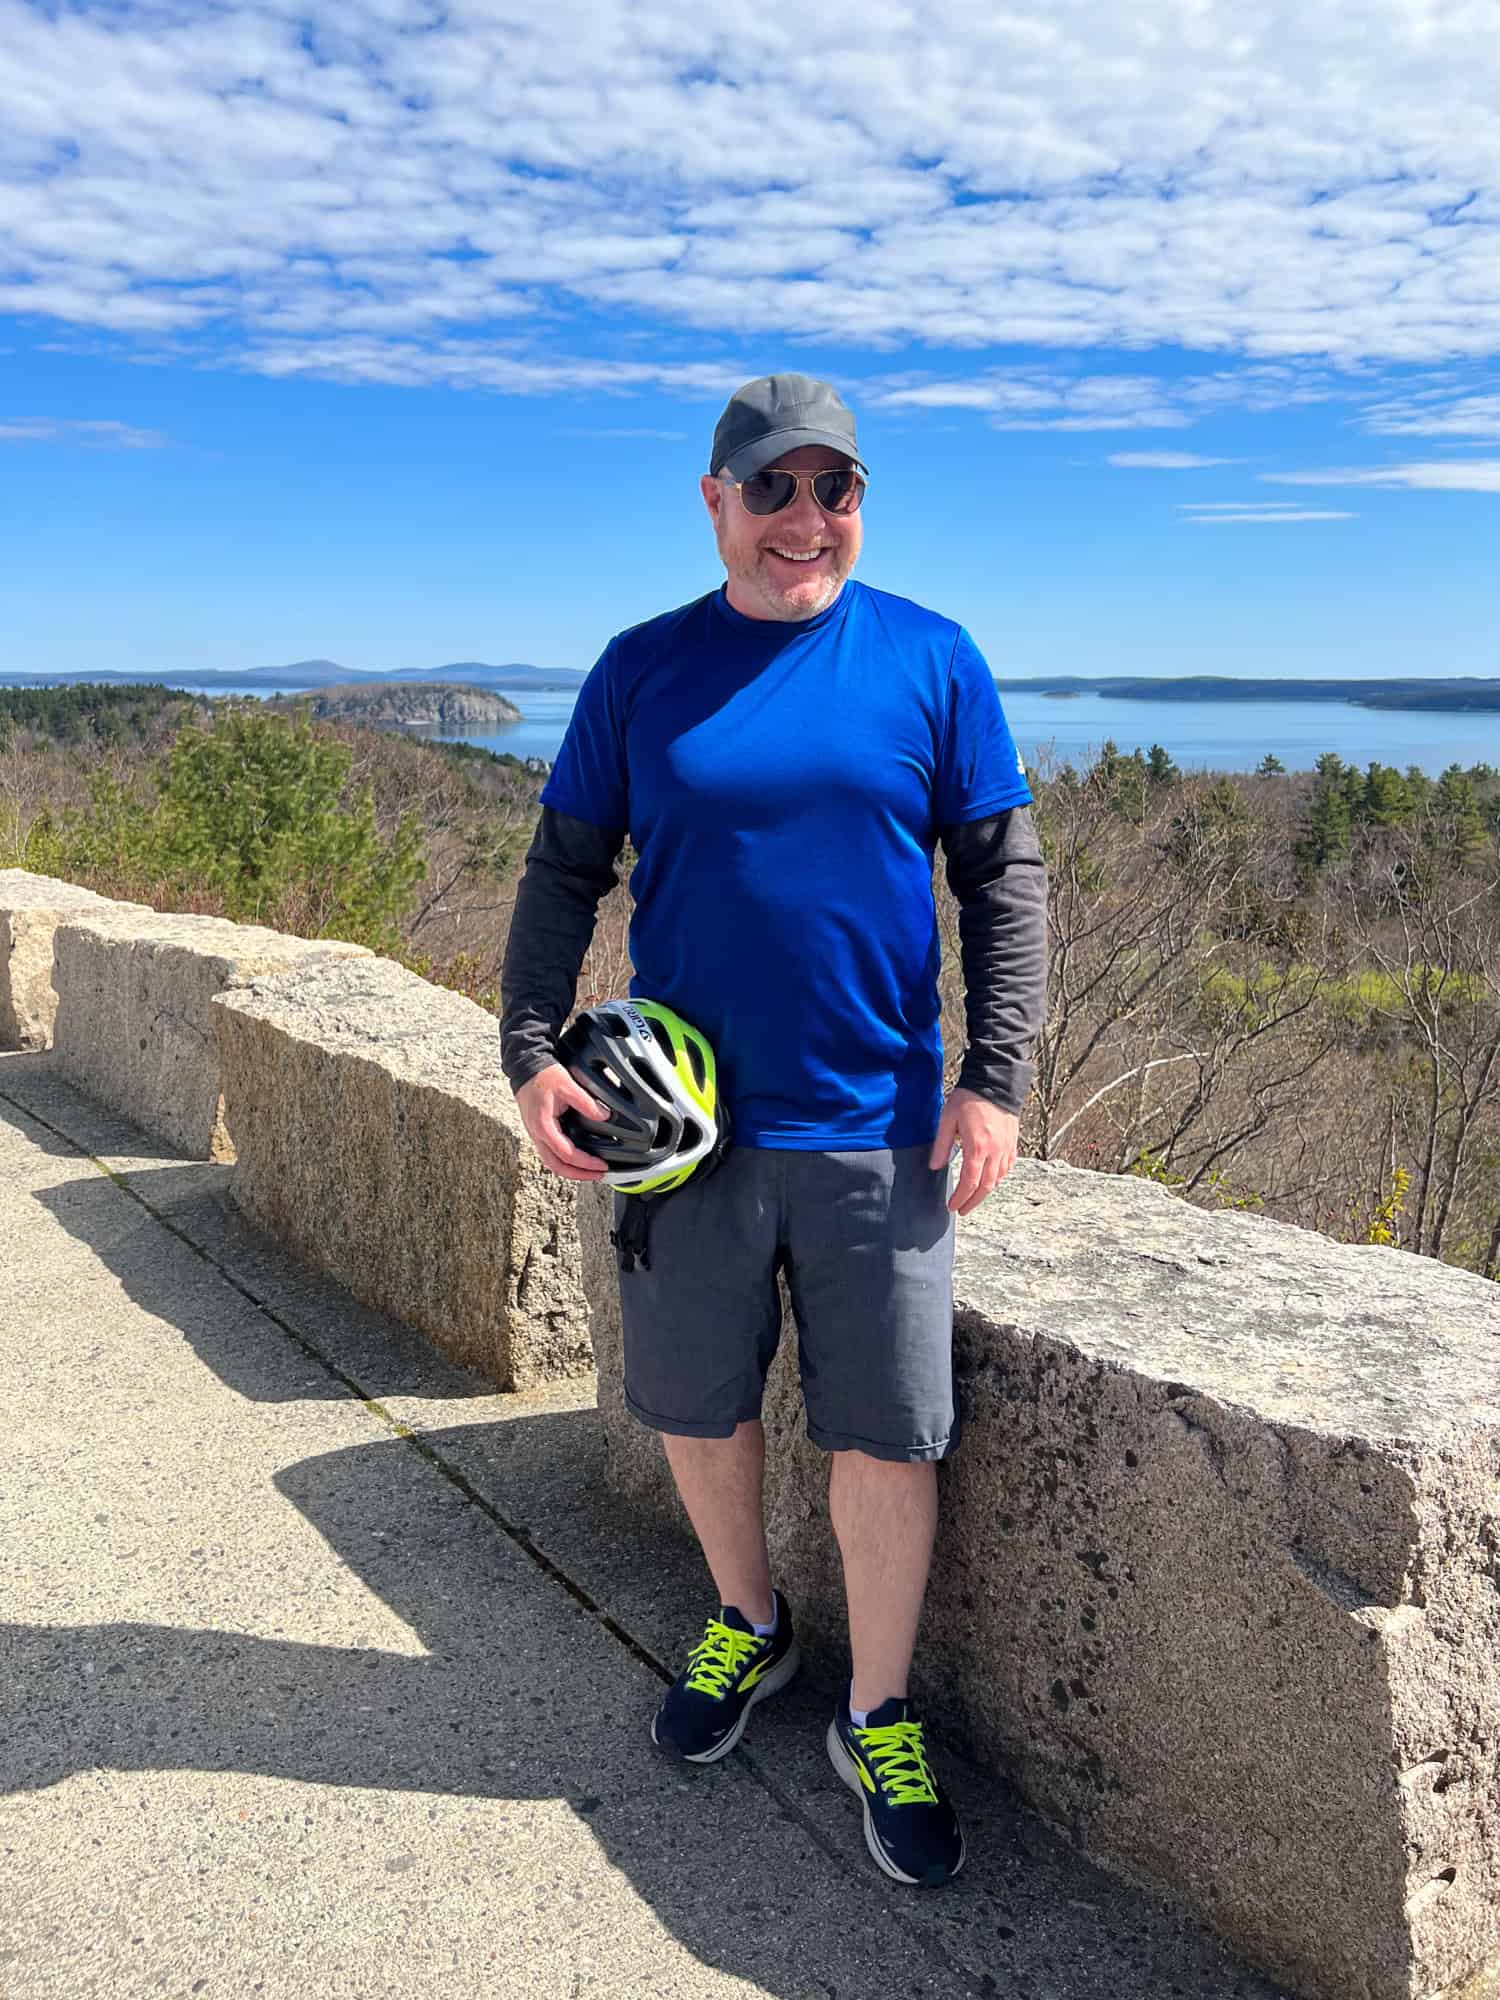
[(774, 1681), (844, 1764)]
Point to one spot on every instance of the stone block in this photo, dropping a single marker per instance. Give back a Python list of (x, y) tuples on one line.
[(133, 1027), (1217, 1582), (31, 908), (376, 1137)]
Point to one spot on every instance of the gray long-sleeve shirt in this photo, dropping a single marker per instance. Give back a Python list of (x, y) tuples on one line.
[(993, 866)]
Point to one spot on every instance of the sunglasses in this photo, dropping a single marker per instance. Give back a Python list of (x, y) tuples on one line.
[(837, 491)]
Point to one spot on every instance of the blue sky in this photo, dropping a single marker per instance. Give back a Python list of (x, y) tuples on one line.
[(398, 337)]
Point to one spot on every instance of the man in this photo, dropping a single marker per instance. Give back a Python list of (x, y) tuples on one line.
[(785, 754)]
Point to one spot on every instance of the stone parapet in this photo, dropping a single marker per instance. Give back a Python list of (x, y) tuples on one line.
[(376, 1136), (1218, 1574), (31, 908), (133, 1027)]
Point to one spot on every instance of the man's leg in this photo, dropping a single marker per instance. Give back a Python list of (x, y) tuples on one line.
[(884, 1514), (700, 1324), (720, 1480), (871, 1273)]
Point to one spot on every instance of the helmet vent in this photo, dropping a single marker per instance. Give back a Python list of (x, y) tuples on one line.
[(695, 1059), (614, 1024)]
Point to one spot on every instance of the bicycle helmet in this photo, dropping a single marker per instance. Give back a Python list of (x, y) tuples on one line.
[(655, 1076)]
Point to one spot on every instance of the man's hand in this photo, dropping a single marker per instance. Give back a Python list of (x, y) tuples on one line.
[(987, 1137), (540, 1100)]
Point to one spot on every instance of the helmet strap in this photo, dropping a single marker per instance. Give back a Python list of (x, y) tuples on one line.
[(630, 1238)]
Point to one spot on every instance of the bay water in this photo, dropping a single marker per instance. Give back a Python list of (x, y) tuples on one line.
[(1208, 735), (1199, 735)]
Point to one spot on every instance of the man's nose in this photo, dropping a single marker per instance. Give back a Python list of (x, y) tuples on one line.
[(804, 516)]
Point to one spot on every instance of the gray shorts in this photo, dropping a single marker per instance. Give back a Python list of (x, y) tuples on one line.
[(866, 1241)]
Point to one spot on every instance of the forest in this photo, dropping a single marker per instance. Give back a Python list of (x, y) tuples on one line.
[(1278, 992)]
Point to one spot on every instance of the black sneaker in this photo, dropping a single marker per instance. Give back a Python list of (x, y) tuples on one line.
[(704, 1712), (910, 1829)]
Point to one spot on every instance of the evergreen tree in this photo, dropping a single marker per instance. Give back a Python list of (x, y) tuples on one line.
[(1455, 803), (1121, 779), (1329, 816), (1270, 766), (1419, 785), (1387, 801), (1160, 770), (254, 808)]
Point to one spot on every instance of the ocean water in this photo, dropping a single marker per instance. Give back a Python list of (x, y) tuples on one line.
[(1215, 736), (1207, 735)]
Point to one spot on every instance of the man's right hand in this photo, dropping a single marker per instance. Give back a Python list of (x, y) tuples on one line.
[(541, 1100)]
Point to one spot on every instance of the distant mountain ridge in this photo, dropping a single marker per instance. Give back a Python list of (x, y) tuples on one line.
[(323, 673), (1457, 694)]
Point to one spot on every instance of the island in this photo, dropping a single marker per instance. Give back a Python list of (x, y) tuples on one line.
[(1457, 695), (403, 705)]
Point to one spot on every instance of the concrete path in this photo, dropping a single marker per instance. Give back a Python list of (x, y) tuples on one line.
[(326, 1672)]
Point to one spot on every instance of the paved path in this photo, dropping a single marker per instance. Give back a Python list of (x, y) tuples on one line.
[(325, 1672)]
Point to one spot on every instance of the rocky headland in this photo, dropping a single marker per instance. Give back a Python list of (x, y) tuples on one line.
[(405, 705)]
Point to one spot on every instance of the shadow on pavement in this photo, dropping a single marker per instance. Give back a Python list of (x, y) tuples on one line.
[(31, 1081), (520, 1690), (522, 1694), (188, 1293)]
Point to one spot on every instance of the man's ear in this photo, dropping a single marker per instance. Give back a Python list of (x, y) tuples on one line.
[(713, 496)]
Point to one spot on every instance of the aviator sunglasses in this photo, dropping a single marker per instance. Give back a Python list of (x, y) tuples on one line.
[(839, 490)]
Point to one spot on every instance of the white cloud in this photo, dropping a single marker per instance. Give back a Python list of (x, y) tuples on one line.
[(614, 431), (98, 435), (462, 193), (1042, 398), (1475, 475), (1166, 461), (477, 364), (1254, 515), (1439, 411)]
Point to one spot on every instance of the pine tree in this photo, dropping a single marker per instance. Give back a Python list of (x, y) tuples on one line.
[(1387, 800), (1330, 812), (1455, 801)]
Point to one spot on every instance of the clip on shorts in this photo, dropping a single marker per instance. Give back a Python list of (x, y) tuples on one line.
[(866, 1241)]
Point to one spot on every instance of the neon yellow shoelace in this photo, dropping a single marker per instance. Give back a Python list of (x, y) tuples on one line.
[(718, 1657), (899, 1761)]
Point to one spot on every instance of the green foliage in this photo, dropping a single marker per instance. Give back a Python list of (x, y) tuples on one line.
[(1384, 1225), (1160, 770), (1456, 803), (1387, 797), (1329, 817), (90, 712), (1369, 1002), (1270, 766), (1123, 781), (1226, 1195), (1150, 1166), (1459, 809), (252, 810), (1419, 785)]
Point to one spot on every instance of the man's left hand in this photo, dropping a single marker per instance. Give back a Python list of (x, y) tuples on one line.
[(987, 1138)]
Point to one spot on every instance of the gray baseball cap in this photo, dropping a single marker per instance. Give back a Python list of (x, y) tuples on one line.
[(778, 413)]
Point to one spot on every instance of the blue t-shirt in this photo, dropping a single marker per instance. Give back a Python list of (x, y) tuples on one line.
[(783, 785)]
